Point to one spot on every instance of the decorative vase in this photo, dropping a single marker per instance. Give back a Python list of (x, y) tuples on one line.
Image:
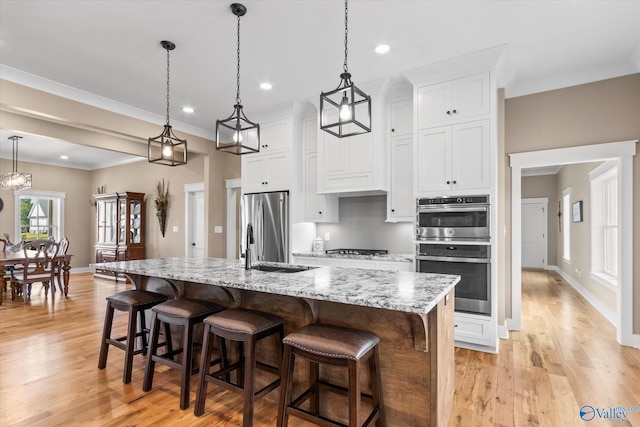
[(162, 220)]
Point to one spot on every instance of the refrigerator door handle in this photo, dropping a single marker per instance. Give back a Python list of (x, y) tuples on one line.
[(260, 230)]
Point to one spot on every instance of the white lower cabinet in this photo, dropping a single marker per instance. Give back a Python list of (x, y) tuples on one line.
[(355, 263), (474, 329)]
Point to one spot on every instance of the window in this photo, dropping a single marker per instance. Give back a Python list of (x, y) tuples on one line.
[(566, 223), (604, 223), (39, 215)]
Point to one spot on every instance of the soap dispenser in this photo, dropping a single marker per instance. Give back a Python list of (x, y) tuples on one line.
[(318, 245)]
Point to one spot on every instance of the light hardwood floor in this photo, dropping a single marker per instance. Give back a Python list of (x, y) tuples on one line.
[(564, 357)]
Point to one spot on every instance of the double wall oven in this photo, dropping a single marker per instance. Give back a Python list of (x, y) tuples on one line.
[(452, 237)]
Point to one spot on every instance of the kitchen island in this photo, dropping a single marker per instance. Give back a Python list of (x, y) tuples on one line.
[(412, 313)]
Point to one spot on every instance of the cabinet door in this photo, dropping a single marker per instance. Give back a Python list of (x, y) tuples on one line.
[(254, 173), (433, 160), (278, 175), (470, 155), (470, 96), (310, 135), (401, 205), (433, 104), (401, 118), (313, 203), (275, 136)]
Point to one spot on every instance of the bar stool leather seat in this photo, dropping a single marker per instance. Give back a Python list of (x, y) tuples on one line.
[(135, 302), (185, 312), (246, 327), (332, 345)]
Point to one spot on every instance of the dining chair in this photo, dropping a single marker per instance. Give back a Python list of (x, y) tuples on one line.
[(39, 266), (63, 245)]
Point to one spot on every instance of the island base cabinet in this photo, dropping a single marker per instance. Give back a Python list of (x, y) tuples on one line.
[(416, 352)]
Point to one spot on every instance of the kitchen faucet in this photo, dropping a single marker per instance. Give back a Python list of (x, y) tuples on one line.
[(250, 241)]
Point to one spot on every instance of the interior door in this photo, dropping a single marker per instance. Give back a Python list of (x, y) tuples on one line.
[(196, 224), (534, 233)]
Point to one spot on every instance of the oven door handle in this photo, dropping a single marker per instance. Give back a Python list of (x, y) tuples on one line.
[(453, 259), (438, 209)]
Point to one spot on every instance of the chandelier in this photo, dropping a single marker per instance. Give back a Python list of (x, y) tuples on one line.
[(15, 180), (166, 148)]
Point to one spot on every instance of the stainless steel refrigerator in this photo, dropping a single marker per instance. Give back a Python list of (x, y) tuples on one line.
[(268, 214)]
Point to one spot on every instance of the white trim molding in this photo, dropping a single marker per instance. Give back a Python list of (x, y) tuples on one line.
[(624, 151)]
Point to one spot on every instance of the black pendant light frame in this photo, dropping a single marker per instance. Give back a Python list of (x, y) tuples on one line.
[(237, 134), (348, 96), (166, 148)]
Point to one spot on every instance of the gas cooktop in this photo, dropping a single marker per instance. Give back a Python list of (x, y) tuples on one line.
[(357, 251)]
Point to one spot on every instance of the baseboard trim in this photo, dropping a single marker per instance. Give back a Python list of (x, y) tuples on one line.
[(81, 270), (591, 299)]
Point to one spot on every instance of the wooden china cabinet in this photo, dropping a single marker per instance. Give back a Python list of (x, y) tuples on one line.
[(119, 229)]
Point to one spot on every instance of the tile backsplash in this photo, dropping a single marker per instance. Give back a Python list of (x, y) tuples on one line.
[(362, 226)]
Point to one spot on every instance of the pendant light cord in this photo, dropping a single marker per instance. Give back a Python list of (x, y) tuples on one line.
[(238, 101), (168, 87), (346, 34)]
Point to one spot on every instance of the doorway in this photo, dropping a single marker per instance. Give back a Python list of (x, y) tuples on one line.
[(622, 152), (534, 235), (194, 220)]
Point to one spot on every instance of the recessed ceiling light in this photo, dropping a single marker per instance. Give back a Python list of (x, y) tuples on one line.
[(187, 109), (266, 86), (382, 49), (63, 157)]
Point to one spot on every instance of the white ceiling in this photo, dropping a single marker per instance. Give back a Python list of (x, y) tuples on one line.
[(108, 53)]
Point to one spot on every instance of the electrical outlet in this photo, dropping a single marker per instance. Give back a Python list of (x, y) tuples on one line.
[(175, 228), (217, 229), (327, 236)]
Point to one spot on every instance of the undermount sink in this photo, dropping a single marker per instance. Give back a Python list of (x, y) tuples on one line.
[(281, 268)]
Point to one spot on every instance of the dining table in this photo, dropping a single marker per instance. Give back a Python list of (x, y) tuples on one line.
[(20, 258)]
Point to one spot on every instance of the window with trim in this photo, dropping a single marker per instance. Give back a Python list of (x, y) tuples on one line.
[(566, 223), (604, 223), (39, 215)]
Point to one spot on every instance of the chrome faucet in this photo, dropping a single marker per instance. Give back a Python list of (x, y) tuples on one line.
[(250, 241)]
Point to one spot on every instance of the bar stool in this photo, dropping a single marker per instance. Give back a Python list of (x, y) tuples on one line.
[(336, 346), (246, 327), (185, 312), (134, 302)]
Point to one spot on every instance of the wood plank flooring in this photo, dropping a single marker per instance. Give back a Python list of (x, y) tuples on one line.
[(564, 357)]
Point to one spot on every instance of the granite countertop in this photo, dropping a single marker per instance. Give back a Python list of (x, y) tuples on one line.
[(400, 291), (381, 257)]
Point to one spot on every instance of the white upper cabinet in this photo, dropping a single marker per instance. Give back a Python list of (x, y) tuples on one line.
[(401, 118), (400, 201), (317, 207), (271, 169), (275, 136), (453, 101), (453, 158)]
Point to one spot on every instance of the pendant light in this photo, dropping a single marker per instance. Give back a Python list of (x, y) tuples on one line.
[(166, 148), (346, 110), (237, 134), (15, 180)]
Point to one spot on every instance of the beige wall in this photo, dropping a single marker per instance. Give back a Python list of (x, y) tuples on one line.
[(76, 185), (27, 110), (118, 179), (576, 177), (605, 111), (545, 186)]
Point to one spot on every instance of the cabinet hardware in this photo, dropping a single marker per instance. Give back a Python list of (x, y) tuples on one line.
[(455, 182), (455, 111), (393, 130), (320, 212), (448, 182), (448, 113), (393, 210)]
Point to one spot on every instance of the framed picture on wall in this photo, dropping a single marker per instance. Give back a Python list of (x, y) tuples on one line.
[(576, 211)]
